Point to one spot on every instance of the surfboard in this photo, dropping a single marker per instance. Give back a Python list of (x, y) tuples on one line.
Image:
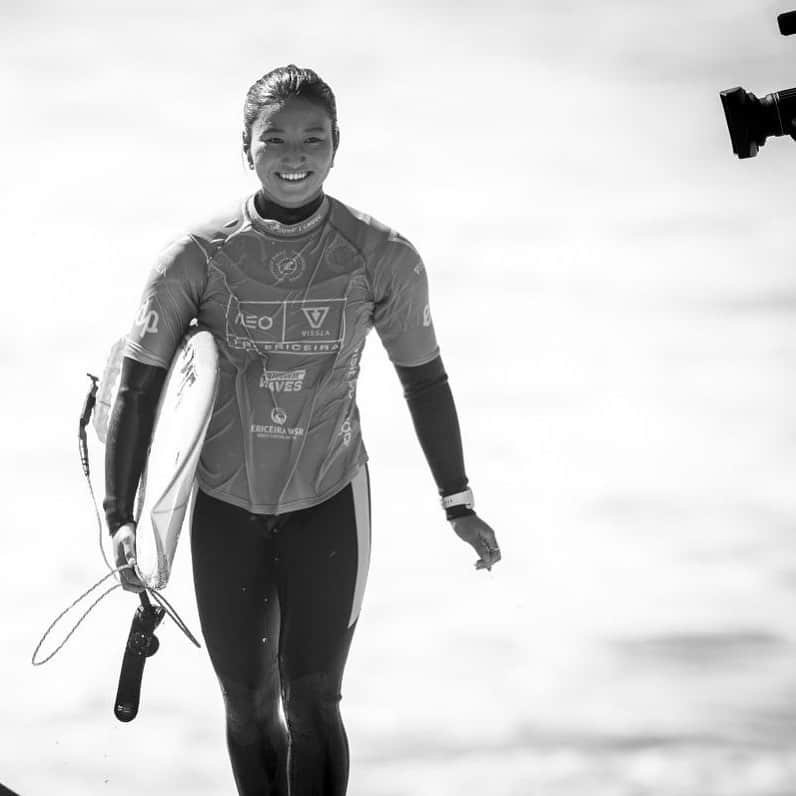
[(181, 421)]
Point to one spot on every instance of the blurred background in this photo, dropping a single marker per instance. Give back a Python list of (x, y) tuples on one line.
[(615, 298)]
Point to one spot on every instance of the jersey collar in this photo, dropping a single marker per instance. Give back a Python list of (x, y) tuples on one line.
[(271, 227)]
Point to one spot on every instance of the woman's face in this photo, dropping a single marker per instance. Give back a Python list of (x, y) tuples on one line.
[(291, 150)]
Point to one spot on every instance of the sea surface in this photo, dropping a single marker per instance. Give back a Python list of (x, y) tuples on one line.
[(615, 299)]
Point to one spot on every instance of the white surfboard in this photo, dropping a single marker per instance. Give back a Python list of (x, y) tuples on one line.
[(183, 414)]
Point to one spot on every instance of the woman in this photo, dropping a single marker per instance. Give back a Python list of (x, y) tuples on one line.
[(289, 281)]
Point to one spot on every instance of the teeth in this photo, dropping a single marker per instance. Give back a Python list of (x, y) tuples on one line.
[(294, 176)]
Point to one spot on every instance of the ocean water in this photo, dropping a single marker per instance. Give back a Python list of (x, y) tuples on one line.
[(614, 295)]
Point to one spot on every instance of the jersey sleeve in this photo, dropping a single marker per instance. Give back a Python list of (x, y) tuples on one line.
[(402, 315), (169, 303)]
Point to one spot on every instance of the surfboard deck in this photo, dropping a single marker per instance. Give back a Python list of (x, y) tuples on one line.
[(181, 421)]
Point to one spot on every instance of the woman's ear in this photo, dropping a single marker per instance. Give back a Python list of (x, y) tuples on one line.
[(246, 149), (336, 142)]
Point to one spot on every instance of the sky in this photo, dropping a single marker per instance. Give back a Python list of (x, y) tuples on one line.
[(613, 292)]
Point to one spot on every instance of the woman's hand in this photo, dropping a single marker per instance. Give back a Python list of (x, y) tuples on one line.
[(124, 551), (476, 532)]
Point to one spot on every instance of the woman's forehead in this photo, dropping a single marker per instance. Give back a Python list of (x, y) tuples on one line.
[(293, 112)]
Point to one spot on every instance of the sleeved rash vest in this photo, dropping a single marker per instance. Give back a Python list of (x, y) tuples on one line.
[(290, 307)]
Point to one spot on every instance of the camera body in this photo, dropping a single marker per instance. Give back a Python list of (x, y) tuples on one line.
[(751, 120)]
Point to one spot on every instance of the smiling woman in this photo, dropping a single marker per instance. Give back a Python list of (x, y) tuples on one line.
[(290, 135), (289, 281)]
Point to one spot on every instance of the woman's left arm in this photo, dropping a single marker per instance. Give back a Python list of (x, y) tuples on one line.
[(402, 317), (433, 411)]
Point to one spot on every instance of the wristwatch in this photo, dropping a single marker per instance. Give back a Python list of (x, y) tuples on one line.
[(459, 499)]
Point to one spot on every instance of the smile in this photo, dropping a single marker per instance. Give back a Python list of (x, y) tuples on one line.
[(293, 176)]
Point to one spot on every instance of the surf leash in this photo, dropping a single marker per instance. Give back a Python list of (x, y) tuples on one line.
[(141, 642)]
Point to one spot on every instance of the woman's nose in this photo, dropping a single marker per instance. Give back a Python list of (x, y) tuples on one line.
[(295, 151)]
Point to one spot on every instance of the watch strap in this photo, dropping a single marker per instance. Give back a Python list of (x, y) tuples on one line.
[(459, 499)]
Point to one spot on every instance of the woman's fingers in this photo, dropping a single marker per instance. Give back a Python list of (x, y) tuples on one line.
[(128, 545), (124, 542), (482, 539), (488, 549)]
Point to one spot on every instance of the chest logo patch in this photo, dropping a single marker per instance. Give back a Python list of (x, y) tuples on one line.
[(309, 326), (315, 316), (287, 266)]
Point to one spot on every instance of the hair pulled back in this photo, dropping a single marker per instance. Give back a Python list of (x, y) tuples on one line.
[(278, 86)]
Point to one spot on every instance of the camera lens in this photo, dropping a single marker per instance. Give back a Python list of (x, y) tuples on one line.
[(751, 120)]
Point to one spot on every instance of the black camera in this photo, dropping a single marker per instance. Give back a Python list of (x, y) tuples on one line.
[(752, 120)]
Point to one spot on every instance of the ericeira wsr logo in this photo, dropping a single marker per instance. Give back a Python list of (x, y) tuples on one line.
[(279, 429)]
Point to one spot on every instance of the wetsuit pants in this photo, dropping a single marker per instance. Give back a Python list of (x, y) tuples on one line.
[(278, 598)]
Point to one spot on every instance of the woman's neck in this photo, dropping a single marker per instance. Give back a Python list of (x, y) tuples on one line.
[(285, 215)]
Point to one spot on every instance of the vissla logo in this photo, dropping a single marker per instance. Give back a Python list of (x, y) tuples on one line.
[(279, 416), (287, 266), (315, 316)]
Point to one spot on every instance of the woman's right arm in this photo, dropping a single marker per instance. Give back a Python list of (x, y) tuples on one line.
[(126, 448), (170, 300)]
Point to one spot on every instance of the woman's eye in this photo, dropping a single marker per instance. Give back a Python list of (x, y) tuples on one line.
[(273, 140), (314, 140)]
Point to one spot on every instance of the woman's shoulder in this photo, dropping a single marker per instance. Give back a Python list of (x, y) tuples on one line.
[(388, 255), (368, 233), (191, 248), (218, 226)]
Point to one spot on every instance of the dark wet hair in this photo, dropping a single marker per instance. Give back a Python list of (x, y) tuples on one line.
[(278, 86)]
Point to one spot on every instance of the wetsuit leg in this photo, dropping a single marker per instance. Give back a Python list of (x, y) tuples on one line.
[(233, 565), (323, 560)]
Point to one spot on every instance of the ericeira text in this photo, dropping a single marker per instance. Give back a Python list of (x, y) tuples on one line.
[(275, 431)]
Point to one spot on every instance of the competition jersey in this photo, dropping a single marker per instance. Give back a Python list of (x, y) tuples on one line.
[(290, 307)]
